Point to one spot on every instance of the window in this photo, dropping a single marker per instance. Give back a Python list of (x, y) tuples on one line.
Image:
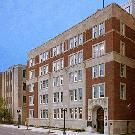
[(98, 30), (71, 60), (122, 28), (45, 84), (71, 113), (31, 100), (80, 113), (54, 51), (44, 113), (80, 56), (71, 43), (122, 70), (31, 74), (31, 62), (98, 71), (80, 93), (75, 76), (122, 91), (101, 70), (43, 70), (58, 49), (122, 48), (56, 114), (45, 56), (95, 31), (61, 80), (80, 39), (54, 66), (95, 71), (98, 91), (71, 93), (57, 81), (75, 95), (75, 41), (101, 28), (71, 77), (43, 99), (57, 97), (79, 75), (61, 97), (24, 74), (57, 65), (98, 50), (31, 87), (24, 86), (75, 114), (76, 58), (61, 113), (41, 85), (41, 58), (31, 113)]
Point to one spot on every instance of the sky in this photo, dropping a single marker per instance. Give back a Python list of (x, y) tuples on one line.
[(26, 24)]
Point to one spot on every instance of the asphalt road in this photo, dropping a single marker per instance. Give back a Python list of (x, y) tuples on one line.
[(12, 131)]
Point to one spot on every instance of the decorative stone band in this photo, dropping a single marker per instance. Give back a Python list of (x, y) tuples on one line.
[(108, 57)]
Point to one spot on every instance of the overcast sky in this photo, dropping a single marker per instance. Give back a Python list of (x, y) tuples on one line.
[(26, 24)]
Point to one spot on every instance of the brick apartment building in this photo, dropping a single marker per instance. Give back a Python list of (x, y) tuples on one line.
[(14, 90), (88, 69)]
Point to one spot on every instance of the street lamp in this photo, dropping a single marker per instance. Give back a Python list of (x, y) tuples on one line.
[(64, 110), (18, 111)]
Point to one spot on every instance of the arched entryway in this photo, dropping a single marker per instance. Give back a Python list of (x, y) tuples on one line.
[(100, 120)]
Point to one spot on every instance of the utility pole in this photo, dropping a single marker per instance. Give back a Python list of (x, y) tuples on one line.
[(103, 3)]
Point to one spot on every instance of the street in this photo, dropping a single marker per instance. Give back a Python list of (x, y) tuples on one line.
[(12, 131)]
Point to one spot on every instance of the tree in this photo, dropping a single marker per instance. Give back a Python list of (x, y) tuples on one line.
[(5, 116)]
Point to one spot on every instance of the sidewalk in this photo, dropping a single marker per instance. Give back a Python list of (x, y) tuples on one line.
[(53, 132)]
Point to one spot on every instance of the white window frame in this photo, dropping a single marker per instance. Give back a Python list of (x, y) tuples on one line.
[(97, 85), (31, 87), (31, 110), (31, 103), (102, 28), (97, 53), (123, 72), (80, 113), (122, 28), (95, 31), (123, 97), (122, 48), (80, 41)]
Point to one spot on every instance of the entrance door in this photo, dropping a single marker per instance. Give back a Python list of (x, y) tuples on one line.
[(100, 120)]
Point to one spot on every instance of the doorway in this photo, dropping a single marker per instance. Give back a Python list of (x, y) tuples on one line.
[(100, 120)]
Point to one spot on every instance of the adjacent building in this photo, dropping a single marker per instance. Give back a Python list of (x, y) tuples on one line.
[(14, 90), (88, 69)]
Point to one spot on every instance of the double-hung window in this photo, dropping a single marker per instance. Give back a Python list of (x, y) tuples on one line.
[(101, 28), (122, 91), (122, 70), (95, 31), (122, 28), (80, 39), (71, 43), (98, 50), (98, 91)]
